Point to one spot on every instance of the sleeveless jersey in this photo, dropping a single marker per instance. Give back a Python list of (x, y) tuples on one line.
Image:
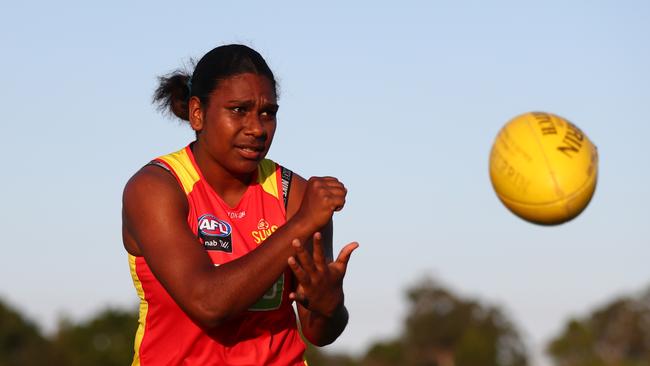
[(267, 333)]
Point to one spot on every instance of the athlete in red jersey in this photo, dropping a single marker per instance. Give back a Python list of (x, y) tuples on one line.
[(216, 238)]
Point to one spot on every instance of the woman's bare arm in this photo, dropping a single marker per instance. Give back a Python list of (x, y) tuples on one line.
[(319, 290), (155, 217)]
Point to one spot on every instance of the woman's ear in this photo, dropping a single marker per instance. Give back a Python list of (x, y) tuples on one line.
[(195, 113)]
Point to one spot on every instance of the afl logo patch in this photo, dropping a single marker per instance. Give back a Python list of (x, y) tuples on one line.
[(215, 233)]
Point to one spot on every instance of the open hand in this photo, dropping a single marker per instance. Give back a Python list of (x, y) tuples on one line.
[(320, 284)]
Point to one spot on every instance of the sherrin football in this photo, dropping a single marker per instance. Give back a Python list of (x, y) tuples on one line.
[(543, 168)]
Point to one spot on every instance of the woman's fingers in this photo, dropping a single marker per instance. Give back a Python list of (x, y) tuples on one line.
[(334, 191), (346, 252), (319, 256), (303, 256), (317, 280), (297, 270), (299, 297)]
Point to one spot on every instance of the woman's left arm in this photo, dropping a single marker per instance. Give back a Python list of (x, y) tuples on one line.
[(319, 288)]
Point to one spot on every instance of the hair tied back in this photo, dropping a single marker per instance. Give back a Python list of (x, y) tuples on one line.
[(189, 88)]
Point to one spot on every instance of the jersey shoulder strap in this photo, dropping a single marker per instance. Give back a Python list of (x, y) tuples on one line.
[(267, 177), (180, 164), (286, 175)]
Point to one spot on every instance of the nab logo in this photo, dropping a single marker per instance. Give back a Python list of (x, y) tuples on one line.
[(215, 233)]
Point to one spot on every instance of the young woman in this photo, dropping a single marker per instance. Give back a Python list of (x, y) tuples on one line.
[(221, 241)]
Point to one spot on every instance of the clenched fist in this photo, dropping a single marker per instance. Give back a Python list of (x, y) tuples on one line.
[(323, 196)]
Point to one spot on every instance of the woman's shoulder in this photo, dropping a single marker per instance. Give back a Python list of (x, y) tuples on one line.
[(151, 194), (153, 181)]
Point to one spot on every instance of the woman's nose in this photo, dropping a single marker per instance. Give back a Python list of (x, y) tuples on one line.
[(254, 126)]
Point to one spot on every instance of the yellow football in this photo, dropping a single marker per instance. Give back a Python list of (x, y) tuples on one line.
[(543, 168)]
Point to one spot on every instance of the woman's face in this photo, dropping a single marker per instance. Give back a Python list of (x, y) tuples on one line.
[(237, 126)]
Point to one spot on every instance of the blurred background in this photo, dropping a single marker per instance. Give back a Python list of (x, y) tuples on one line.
[(400, 102)]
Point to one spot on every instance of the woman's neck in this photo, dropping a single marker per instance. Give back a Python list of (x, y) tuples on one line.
[(230, 187)]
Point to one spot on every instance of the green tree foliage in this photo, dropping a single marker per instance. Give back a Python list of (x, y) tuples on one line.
[(385, 354), (617, 334), (106, 340), (443, 329), (316, 357), (21, 343)]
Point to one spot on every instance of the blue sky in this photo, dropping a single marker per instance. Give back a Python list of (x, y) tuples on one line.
[(401, 102)]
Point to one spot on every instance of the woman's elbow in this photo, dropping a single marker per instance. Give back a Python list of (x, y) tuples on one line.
[(209, 316)]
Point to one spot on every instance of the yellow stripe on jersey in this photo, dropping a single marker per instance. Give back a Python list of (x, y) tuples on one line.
[(266, 176), (144, 307), (182, 165)]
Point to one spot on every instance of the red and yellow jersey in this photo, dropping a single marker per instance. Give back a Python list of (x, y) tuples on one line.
[(267, 333)]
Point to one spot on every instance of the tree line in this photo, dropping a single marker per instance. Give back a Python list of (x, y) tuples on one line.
[(441, 328)]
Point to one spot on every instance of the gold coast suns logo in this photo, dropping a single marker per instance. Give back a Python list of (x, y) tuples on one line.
[(264, 230)]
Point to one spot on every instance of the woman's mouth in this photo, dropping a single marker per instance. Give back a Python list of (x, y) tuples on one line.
[(250, 152)]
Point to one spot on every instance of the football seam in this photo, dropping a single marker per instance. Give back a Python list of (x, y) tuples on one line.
[(558, 190)]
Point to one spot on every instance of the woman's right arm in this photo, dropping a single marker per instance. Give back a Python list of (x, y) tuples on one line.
[(155, 226)]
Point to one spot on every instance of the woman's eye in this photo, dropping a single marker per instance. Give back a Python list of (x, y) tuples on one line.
[(237, 110), (268, 114)]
